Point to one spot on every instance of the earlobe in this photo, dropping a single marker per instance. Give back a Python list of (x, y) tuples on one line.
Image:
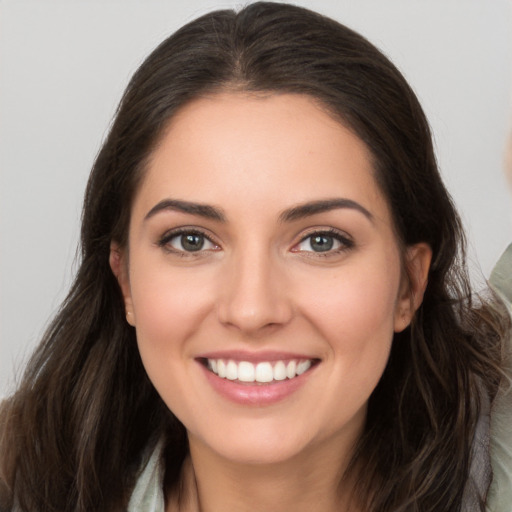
[(119, 266), (414, 284)]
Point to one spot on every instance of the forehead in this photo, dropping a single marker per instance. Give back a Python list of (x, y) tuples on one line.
[(257, 151)]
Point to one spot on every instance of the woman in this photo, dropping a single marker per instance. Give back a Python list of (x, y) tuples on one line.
[(272, 302)]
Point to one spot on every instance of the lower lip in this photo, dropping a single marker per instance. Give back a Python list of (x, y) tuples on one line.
[(255, 394)]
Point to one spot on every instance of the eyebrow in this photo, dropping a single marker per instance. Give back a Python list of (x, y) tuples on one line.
[(295, 213), (312, 208), (202, 210)]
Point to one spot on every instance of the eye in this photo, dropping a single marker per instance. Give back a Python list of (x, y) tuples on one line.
[(324, 242), (187, 241)]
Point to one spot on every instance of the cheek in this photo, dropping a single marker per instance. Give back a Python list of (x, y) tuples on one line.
[(357, 301), (168, 308), (354, 312)]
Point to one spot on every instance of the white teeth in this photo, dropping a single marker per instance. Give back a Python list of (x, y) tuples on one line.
[(279, 371), (303, 366), (221, 368), (231, 370), (291, 367), (245, 372), (263, 372)]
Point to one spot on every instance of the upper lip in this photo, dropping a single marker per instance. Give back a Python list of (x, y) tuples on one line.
[(254, 357)]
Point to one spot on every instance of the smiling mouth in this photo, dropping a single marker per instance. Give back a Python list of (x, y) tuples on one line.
[(264, 372)]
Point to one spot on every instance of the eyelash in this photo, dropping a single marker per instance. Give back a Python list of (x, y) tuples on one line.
[(165, 240), (345, 242)]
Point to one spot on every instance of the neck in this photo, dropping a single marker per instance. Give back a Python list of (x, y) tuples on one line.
[(313, 480)]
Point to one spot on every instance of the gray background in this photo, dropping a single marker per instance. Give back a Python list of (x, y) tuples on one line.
[(63, 67)]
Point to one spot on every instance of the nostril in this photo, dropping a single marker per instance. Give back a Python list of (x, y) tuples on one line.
[(254, 296)]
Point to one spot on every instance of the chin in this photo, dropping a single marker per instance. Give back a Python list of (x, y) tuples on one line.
[(259, 451), (250, 441)]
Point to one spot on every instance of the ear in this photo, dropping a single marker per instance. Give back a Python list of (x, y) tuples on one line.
[(119, 266), (414, 282)]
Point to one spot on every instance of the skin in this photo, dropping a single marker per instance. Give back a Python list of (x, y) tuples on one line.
[(258, 285)]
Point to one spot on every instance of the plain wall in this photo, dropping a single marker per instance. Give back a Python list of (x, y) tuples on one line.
[(63, 67)]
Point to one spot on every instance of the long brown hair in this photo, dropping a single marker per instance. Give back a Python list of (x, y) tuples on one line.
[(73, 435)]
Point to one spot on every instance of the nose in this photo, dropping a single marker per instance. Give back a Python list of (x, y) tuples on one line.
[(254, 298)]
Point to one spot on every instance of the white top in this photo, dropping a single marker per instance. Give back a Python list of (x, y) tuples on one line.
[(148, 493)]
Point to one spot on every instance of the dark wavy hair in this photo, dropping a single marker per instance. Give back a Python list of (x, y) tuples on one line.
[(75, 431)]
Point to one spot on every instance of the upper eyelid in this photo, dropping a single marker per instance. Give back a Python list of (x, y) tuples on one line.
[(344, 239), (308, 232), (170, 233), (174, 232), (326, 231)]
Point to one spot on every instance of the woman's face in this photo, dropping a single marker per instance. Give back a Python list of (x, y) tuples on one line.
[(263, 276)]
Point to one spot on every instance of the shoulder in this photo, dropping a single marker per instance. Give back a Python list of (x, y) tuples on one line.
[(501, 277), (500, 493)]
